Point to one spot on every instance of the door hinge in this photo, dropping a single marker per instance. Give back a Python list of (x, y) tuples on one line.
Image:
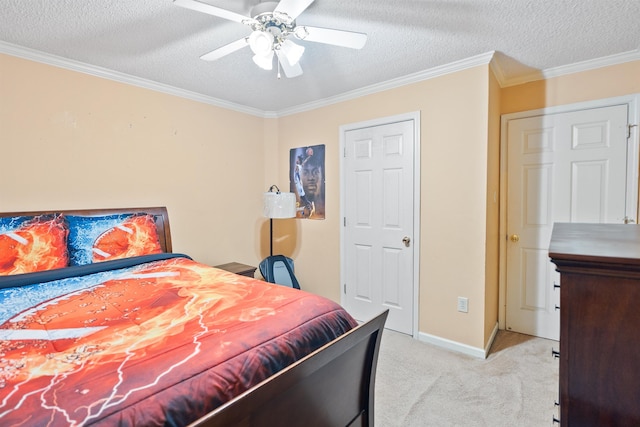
[(345, 289), (344, 153), (629, 126), (344, 221)]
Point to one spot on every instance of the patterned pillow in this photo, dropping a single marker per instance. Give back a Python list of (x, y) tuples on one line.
[(32, 243), (101, 238)]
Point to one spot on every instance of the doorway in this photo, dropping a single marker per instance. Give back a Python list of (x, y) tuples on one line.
[(574, 163), (380, 220)]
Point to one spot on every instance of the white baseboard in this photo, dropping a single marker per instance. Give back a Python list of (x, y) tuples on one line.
[(459, 347)]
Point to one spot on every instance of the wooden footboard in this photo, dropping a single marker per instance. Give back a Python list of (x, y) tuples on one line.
[(333, 386)]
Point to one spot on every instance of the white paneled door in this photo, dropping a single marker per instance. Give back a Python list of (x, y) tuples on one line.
[(378, 237), (563, 167)]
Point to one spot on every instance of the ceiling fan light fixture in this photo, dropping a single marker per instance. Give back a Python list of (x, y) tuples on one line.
[(293, 52), (264, 61), (272, 23), (261, 42)]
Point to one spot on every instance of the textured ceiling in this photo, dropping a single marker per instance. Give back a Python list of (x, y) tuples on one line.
[(157, 41)]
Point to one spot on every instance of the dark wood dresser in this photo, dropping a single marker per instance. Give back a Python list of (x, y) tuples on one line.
[(599, 267)]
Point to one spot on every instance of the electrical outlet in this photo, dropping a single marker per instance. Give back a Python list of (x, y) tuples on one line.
[(463, 304)]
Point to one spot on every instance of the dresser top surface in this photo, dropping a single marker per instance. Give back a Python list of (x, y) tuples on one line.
[(617, 243)]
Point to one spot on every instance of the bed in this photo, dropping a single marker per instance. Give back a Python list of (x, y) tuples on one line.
[(102, 324)]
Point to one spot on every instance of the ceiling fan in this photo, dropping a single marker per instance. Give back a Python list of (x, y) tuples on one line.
[(272, 24)]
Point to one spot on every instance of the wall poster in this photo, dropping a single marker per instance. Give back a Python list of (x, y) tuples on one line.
[(306, 177)]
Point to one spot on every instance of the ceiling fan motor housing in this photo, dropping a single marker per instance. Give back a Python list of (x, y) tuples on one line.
[(269, 23), (264, 7)]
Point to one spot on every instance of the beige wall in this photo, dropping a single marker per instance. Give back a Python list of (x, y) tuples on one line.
[(69, 140), (93, 142), (606, 82), (491, 295), (454, 126)]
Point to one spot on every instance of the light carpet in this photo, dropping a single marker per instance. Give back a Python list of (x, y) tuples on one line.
[(419, 384)]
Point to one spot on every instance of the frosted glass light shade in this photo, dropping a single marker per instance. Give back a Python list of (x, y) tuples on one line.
[(279, 205), (265, 62), (293, 52), (261, 42)]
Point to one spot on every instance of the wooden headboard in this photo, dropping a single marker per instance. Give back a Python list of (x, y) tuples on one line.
[(160, 215)]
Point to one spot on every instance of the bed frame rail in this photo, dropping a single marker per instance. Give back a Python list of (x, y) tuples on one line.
[(333, 386)]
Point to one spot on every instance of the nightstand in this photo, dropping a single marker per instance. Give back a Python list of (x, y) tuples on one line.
[(237, 268)]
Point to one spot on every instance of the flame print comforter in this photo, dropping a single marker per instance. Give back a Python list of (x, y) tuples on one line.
[(146, 341)]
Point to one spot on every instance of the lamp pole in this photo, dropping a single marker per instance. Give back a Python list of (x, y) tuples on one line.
[(271, 236)]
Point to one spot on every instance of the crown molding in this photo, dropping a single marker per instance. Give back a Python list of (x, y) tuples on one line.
[(488, 58), (474, 61), (57, 61), (69, 64), (497, 70), (592, 64)]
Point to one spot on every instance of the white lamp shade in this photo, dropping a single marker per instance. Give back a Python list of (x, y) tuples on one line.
[(279, 205)]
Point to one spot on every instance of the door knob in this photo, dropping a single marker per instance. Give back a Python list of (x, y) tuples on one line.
[(515, 238), (406, 241)]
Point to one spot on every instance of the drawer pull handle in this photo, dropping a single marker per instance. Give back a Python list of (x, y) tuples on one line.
[(555, 353), (557, 307), (555, 285), (555, 420)]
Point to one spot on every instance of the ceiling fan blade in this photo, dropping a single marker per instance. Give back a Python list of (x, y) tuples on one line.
[(293, 8), (225, 50), (213, 10), (290, 71), (342, 38)]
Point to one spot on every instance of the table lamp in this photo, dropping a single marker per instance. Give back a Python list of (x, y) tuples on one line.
[(278, 205)]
